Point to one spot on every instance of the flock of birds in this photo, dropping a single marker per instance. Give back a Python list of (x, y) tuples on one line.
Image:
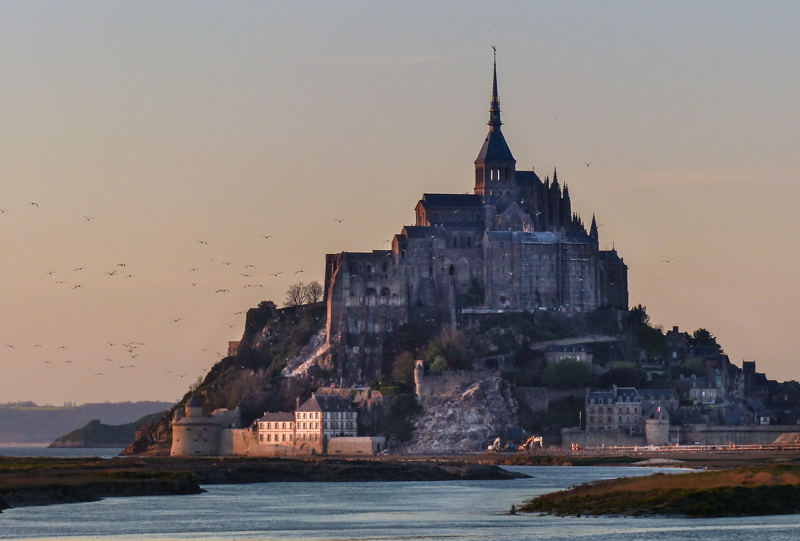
[(120, 358)]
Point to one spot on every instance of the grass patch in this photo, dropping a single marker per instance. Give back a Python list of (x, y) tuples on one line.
[(749, 491)]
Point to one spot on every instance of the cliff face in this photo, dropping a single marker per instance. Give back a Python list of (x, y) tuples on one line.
[(465, 419)]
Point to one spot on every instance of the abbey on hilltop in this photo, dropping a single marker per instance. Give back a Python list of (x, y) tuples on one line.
[(513, 244)]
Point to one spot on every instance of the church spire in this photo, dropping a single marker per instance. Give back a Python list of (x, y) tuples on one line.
[(593, 230), (494, 109)]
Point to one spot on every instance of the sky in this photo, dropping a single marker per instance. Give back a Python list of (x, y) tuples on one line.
[(140, 141)]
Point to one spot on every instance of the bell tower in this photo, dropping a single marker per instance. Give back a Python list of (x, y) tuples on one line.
[(495, 166)]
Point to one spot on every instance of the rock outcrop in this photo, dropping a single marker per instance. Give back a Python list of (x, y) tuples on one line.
[(465, 419)]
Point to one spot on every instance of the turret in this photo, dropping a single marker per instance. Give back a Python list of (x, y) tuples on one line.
[(193, 407)]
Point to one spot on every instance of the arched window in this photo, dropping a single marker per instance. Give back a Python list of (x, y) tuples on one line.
[(385, 292)]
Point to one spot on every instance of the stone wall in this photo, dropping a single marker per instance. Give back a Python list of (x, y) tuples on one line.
[(599, 439), (724, 435), (197, 438), (356, 446)]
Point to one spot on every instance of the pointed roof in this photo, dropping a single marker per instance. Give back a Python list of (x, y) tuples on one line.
[(194, 402), (495, 148)]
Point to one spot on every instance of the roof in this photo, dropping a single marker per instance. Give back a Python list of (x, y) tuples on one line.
[(326, 403), (658, 394), (627, 392), (524, 177), (565, 349), (495, 148), (420, 231), (459, 200), (277, 416)]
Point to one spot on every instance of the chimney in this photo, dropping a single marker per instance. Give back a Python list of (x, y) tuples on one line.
[(297, 406)]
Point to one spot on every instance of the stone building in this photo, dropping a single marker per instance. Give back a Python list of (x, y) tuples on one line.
[(196, 435), (556, 353), (322, 418), (513, 244), (276, 429), (617, 410)]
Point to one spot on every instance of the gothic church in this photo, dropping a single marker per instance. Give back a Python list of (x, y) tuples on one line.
[(514, 244)]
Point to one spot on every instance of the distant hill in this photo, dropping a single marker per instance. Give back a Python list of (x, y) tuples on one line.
[(31, 424), (96, 434)]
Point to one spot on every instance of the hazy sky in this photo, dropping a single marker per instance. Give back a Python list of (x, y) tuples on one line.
[(142, 128)]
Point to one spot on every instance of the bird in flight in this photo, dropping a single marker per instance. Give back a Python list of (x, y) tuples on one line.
[(176, 320), (250, 266), (203, 242), (120, 264), (266, 237), (298, 272), (77, 286), (338, 220), (588, 163), (10, 346), (3, 211), (34, 204), (194, 269), (275, 274), (63, 347), (130, 276), (80, 269), (226, 263), (62, 282), (37, 345), (193, 284), (245, 275), (222, 291), (51, 272), (112, 273), (99, 374), (667, 260), (88, 218)]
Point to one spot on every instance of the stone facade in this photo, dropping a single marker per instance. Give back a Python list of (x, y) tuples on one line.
[(512, 244), (306, 431), (618, 410), (196, 435)]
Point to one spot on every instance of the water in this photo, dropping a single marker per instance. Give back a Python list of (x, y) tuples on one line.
[(20, 450), (419, 511)]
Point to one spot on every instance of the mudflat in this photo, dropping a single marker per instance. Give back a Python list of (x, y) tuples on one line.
[(43, 481)]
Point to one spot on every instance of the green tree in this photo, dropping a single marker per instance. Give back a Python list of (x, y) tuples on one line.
[(703, 338), (403, 368), (568, 373), (439, 364)]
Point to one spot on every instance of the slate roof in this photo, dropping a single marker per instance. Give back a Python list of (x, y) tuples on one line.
[(277, 416), (457, 200), (326, 403), (567, 349), (627, 392), (658, 394), (420, 231), (495, 148)]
